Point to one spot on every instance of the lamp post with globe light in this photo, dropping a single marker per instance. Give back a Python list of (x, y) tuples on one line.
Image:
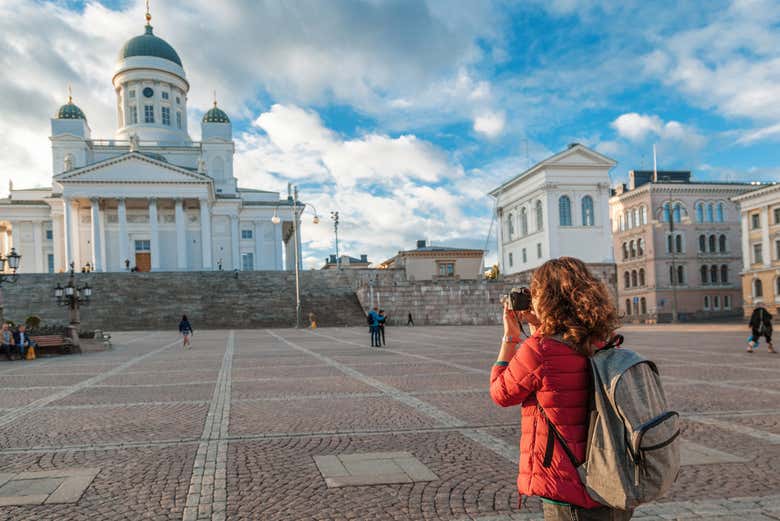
[(9, 262), (73, 296)]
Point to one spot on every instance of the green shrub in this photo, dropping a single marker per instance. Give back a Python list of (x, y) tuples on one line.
[(32, 322)]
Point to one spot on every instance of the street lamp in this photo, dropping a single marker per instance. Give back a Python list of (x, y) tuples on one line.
[(335, 217), (295, 215), (10, 262), (73, 296)]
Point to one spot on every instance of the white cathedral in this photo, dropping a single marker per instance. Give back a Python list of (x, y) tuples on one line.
[(150, 199)]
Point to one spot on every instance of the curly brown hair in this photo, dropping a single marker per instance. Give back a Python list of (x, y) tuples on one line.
[(570, 301)]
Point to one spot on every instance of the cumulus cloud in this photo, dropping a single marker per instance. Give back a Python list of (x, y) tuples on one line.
[(638, 127), (490, 124)]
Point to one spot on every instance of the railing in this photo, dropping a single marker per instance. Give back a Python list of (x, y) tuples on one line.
[(126, 143)]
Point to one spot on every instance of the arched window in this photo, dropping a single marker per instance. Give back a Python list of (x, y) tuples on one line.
[(706, 302), (641, 276), (632, 249), (621, 223), (702, 243), (625, 251), (758, 288), (722, 243), (680, 275), (564, 210), (716, 302), (700, 212), (714, 274), (671, 276), (510, 225), (721, 213), (643, 305), (539, 217), (677, 212), (669, 244), (724, 274), (704, 275), (634, 280), (626, 280), (666, 213), (712, 244), (628, 306), (643, 215), (678, 243), (640, 247), (587, 211), (523, 221), (635, 217), (710, 213)]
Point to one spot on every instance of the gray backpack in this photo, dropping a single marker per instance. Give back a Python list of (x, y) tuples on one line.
[(633, 452)]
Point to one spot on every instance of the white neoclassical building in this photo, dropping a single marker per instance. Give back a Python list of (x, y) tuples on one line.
[(558, 207), (151, 198)]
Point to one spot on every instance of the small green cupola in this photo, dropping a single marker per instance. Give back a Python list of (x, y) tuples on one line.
[(215, 115), (70, 111)]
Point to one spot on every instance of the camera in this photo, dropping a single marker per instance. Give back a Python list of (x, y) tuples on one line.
[(519, 299)]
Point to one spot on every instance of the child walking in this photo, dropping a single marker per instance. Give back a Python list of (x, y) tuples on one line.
[(186, 331)]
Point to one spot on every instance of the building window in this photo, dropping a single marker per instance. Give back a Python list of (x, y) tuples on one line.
[(587, 211), (148, 114), (133, 116), (643, 305), (704, 275), (621, 224), (702, 243), (666, 214), (511, 225), (755, 221), (49, 235), (699, 212), (510, 259), (758, 288), (524, 221), (724, 274), (721, 215), (625, 251), (669, 243), (678, 242), (726, 302), (640, 247), (632, 249), (758, 256), (246, 234), (777, 249), (680, 275), (776, 211), (164, 95), (131, 93), (525, 257), (628, 306), (706, 302), (564, 210), (178, 100), (677, 213), (50, 261), (539, 217), (247, 261), (178, 119), (643, 215), (716, 302), (626, 279), (641, 276), (538, 250), (710, 213), (634, 281), (143, 245), (714, 274), (722, 243), (166, 116), (446, 269), (713, 240)]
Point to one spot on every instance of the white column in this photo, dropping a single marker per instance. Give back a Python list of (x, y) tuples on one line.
[(746, 253), (38, 246), (259, 236), (123, 238), (234, 242), (766, 246), (181, 236), (97, 249), (155, 239), (68, 235), (278, 243), (205, 233)]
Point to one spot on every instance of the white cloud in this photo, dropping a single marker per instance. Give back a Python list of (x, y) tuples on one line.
[(638, 127), (772, 132), (490, 124)]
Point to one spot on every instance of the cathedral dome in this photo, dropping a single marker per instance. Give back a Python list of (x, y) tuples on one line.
[(70, 111), (148, 44), (216, 115)]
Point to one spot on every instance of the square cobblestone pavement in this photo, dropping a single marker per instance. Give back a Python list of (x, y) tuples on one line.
[(232, 428)]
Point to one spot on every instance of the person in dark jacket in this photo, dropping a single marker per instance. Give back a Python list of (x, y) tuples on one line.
[(760, 326), (572, 317), (373, 326), (185, 328), (22, 341), (382, 322)]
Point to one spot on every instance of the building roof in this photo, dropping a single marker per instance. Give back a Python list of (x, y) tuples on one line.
[(215, 115), (148, 44), (70, 111)]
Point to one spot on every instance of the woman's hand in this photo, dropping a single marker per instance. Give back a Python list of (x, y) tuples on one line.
[(511, 322)]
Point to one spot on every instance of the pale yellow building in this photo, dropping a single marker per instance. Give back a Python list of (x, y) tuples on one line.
[(438, 263), (760, 216)]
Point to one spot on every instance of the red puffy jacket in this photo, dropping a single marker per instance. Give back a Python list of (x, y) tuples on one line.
[(550, 373)]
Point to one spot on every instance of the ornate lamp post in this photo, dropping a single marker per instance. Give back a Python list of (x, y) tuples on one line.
[(10, 262), (74, 297), (335, 217)]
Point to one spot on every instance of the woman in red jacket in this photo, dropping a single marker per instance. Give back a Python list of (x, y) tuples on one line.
[(571, 316)]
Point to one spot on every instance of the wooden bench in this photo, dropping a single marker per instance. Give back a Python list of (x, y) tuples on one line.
[(57, 343)]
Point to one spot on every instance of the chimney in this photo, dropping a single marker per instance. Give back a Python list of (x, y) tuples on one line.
[(421, 244), (363, 257)]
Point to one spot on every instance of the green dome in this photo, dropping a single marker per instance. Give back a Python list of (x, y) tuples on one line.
[(216, 115), (148, 44), (70, 111)]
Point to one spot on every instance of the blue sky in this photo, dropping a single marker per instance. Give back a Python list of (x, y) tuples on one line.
[(402, 114)]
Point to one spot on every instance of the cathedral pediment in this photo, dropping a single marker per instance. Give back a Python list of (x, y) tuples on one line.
[(578, 155), (132, 167)]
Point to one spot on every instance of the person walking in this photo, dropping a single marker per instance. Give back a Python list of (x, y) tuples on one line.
[(373, 326), (382, 322), (185, 328), (410, 322), (760, 325), (571, 317)]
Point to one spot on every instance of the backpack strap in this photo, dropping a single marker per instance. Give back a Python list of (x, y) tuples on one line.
[(552, 434)]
